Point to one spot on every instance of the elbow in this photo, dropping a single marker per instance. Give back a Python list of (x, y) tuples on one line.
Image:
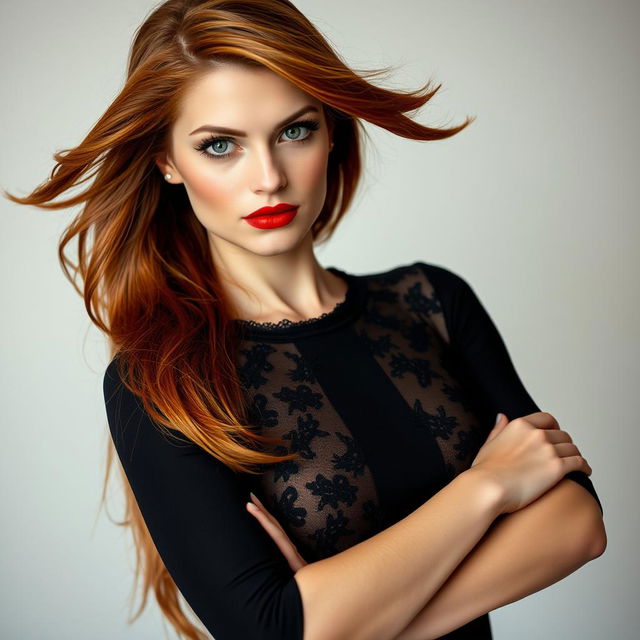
[(321, 619), (591, 534), (598, 539), (583, 527), (595, 534)]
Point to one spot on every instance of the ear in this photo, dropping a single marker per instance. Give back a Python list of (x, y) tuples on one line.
[(330, 128), (330, 124), (166, 165)]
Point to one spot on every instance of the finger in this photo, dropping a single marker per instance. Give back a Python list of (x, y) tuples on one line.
[(257, 501), (576, 463), (255, 498), (273, 527), (542, 420), (287, 548), (572, 457), (264, 514), (266, 520), (565, 449), (500, 424), (556, 436)]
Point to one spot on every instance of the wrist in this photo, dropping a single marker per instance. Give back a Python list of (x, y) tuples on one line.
[(488, 488)]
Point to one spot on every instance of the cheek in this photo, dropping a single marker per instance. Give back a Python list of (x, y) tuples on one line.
[(208, 187), (311, 176)]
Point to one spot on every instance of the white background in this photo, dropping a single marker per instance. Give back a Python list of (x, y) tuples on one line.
[(535, 204)]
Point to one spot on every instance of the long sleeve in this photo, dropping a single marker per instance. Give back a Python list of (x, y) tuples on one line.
[(226, 566), (480, 358)]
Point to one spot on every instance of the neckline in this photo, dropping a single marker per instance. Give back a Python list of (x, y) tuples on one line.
[(286, 330)]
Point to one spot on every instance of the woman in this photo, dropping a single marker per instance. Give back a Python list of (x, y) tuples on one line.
[(360, 408)]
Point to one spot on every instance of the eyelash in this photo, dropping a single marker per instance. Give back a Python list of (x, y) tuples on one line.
[(312, 125)]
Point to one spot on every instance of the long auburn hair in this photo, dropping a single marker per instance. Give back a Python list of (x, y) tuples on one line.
[(148, 279)]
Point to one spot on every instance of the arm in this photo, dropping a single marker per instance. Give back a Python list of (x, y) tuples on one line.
[(229, 571), (525, 551), (354, 594), (233, 575), (522, 552), (478, 357)]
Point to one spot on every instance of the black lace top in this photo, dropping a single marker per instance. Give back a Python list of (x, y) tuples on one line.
[(286, 323), (386, 397)]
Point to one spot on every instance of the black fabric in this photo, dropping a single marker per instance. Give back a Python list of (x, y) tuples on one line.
[(387, 398), (480, 358)]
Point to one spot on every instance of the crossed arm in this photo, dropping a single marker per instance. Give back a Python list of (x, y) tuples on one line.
[(521, 553)]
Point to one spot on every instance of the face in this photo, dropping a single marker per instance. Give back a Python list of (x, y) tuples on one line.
[(279, 154)]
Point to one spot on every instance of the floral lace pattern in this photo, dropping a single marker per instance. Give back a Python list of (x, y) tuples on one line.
[(328, 499)]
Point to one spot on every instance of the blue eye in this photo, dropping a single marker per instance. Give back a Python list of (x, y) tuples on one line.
[(219, 141), (214, 141), (294, 127)]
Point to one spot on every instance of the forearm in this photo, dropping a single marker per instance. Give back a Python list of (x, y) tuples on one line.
[(521, 553), (374, 589)]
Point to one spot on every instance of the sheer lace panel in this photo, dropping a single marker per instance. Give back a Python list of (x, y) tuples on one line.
[(327, 500)]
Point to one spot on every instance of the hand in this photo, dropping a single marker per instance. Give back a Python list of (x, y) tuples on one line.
[(273, 528), (528, 456)]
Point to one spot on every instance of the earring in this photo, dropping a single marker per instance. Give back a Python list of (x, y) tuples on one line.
[(167, 176)]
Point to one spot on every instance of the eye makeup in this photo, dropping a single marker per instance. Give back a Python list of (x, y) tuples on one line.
[(312, 125)]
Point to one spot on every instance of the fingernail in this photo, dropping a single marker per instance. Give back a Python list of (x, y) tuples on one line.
[(498, 418), (253, 497)]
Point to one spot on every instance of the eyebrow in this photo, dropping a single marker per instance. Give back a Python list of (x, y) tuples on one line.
[(236, 132)]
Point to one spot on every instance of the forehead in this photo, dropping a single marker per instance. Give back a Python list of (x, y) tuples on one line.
[(238, 96)]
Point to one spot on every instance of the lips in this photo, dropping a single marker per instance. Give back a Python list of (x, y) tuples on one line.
[(279, 208)]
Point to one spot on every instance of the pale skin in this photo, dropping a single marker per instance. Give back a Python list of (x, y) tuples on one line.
[(268, 274), (521, 553), (273, 274)]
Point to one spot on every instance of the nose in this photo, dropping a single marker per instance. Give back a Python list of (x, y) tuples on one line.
[(268, 173)]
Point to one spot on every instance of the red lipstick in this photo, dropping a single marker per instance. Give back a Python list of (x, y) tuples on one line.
[(272, 217)]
